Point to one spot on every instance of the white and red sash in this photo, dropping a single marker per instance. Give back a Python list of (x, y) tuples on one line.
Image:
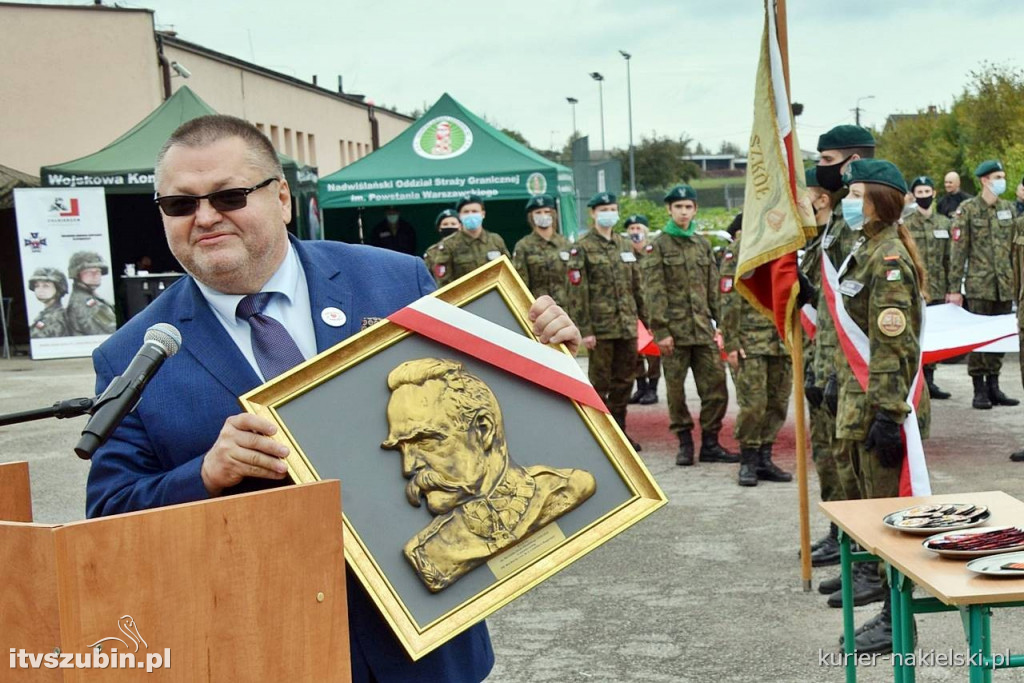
[(914, 480), (499, 346)]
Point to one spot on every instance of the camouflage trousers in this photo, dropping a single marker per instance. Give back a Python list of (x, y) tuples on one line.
[(709, 374), (611, 368), (648, 367), (873, 480), (823, 438), (986, 363), (763, 385)]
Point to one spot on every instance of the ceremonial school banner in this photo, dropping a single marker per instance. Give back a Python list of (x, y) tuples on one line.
[(65, 258)]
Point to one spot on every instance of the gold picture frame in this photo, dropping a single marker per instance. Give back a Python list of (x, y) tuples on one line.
[(331, 413)]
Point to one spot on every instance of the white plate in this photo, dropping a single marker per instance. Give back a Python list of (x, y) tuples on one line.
[(970, 553), (892, 518), (991, 565)]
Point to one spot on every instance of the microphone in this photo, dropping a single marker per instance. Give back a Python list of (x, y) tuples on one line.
[(122, 396)]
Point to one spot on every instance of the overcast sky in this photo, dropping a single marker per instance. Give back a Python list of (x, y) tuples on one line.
[(693, 62)]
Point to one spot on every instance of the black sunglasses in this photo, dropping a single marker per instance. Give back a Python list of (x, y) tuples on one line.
[(231, 199)]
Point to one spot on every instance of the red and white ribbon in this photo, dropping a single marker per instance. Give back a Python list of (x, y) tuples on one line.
[(499, 346), (914, 479)]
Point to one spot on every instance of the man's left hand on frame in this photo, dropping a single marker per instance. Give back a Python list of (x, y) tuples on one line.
[(552, 325)]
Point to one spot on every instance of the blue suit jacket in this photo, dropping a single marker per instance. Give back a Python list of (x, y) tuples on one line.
[(154, 457)]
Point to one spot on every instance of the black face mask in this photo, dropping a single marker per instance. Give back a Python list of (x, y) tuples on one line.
[(448, 231), (924, 202), (831, 177)]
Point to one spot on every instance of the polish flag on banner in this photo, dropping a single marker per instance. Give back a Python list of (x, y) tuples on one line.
[(498, 346), (952, 331), (645, 344), (777, 213), (914, 479)]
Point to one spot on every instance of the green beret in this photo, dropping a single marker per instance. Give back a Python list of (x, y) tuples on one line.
[(845, 137), (680, 192), (986, 167), (468, 198), (877, 171), (637, 218), (447, 213), (922, 180), (811, 177), (541, 201), (602, 198)]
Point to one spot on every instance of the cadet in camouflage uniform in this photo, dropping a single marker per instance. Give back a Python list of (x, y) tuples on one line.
[(1017, 262), (982, 232), (542, 257), (681, 283), (930, 231), (469, 248), (87, 312), (605, 301), (881, 287), (763, 375), (49, 285), (648, 368), (447, 223)]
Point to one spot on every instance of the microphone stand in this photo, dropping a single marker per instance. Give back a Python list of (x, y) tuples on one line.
[(72, 407)]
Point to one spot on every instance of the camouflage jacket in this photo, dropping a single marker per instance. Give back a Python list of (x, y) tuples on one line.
[(459, 254), (932, 236), (605, 292), (681, 286), (87, 313), (880, 292), (810, 266), (742, 325), (980, 257), (51, 322), (837, 239), (543, 265), (1017, 266)]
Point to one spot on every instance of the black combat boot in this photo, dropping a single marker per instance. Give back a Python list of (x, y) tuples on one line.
[(684, 456), (1017, 456), (650, 396), (748, 465), (830, 586), (867, 586), (828, 552), (620, 419), (933, 389), (996, 395), (641, 390), (981, 401), (712, 451), (768, 470)]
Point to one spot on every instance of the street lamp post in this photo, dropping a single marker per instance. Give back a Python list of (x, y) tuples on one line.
[(856, 109), (573, 102), (629, 100), (600, 93)]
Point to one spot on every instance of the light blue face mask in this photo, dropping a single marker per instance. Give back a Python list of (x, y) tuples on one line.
[(853, 213), (473, 221), (607, 219), (998, 186)]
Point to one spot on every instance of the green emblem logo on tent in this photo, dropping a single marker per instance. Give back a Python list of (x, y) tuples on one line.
[(442, 138), (536, 184)]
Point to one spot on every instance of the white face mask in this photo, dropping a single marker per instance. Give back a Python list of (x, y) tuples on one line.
[(607, 219), (543, 220), (998, 186)]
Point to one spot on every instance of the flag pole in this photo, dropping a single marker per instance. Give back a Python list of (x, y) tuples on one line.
[(797, 355)]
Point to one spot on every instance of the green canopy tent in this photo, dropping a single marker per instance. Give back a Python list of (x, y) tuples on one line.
[(449, 151)]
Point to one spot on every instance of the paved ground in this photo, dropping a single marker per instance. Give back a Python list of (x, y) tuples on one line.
[(706, 589)]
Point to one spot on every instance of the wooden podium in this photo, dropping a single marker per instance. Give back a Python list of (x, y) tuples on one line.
[(246, 588)]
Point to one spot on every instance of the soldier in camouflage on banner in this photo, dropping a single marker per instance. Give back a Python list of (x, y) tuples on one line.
[(50, 286), (762, 372), (447, 223), (606, 300), (681, 282), (930, 231), (542, 257), (87, 312), (980, 263), (469, 248), (648, 368)]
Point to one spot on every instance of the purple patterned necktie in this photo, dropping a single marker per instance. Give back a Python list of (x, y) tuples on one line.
[(274, 348)]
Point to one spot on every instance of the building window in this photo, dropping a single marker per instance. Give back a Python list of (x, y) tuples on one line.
[(311, 139), (300, 146), (351, 152), (260, 127), (275, 137), (289, 147), (341, 153)]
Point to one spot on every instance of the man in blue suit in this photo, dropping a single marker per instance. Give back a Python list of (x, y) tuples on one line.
[(225, 205)]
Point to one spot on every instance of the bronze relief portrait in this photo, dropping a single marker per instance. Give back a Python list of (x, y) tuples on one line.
[(447, 425)]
